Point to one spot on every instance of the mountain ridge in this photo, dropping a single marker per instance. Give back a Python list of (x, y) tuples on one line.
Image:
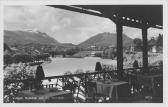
[(26, 37), (106, 39), (30, 36)]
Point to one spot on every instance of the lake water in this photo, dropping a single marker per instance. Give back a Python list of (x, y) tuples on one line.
[(59, 66)]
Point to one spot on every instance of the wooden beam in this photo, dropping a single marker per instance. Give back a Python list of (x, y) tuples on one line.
[(157, 27), (145, 49), (119, 30), (103, 13), (131, 24), (77, 9)]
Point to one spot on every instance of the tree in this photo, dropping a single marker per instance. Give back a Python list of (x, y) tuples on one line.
[(159, 43), (98, 54), (138, 44), (72, 51), (7, 59), (160, 40), (6, 47)]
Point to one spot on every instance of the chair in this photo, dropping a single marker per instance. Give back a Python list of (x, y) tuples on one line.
[(70, 86), (91, 92)]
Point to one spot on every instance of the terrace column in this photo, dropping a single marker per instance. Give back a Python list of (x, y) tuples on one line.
[(145, 49), (119, 29)]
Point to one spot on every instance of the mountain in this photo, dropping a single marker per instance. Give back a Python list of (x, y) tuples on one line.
[(27, 37), (106, 39)]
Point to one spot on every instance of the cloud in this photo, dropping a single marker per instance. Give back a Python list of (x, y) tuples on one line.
[(61, 24), (137, 33), (12, 15), (132, 32), (98, 26), (31, 16), (154, 32), (82, 36), (64, 26), (65, 22), (55, 28)]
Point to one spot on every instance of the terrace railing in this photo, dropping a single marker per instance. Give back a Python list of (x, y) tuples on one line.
[(75, 83)]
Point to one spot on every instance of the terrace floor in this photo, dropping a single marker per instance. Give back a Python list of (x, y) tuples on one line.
[(53, 95)]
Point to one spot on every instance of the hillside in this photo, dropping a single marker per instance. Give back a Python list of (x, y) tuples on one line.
[(26, 37), (105, 39)]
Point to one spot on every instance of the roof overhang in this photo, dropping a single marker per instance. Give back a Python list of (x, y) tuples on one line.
[(137, 16)]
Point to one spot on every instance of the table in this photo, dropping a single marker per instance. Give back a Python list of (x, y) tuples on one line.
[(44, 96), (114, 90), (150, 81), (147, 80)]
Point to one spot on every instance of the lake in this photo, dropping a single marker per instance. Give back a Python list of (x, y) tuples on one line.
[(59, 66)]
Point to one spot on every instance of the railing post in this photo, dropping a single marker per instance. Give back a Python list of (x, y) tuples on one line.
[(85, 79), (78, 88), (62, 80), (56, 83)]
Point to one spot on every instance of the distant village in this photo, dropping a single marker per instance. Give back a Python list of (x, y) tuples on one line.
[(36, 52)]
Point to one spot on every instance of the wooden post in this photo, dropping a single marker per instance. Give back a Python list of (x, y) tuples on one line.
[(119, 30), (145, 49)]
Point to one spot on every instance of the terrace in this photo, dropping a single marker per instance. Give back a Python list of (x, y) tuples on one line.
[(95, 87), (143, 84)]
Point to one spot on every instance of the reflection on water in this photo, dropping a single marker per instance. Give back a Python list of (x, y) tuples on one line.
[(59, 66)]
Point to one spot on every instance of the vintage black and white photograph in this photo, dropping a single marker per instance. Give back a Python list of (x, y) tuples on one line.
[(83, 53)]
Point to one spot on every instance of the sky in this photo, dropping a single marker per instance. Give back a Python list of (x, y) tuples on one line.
[(63, 25)]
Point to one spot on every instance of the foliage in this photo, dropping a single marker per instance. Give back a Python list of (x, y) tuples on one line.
[(18, 72), (67, 73), (6, 47), (137, 44), (109, 53), (159, 43), (7, 59), (78, 71), (72, 51), (160, 40), (15, 72), (40, 57), (98, 54), (24, 58)]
